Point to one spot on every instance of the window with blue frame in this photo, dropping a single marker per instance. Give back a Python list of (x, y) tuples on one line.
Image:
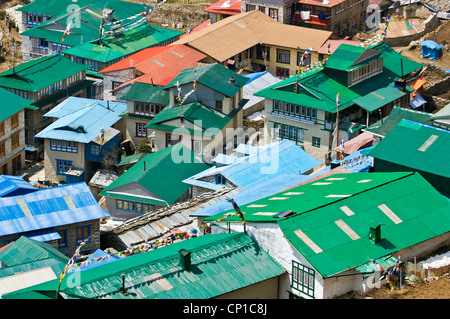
[(56, 47), (220, 180), (83, 234), (64, 146), (134, 206), (62, 166), (63, 241), (35, 19), (95, 149)]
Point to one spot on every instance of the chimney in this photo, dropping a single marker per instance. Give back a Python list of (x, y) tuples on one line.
[(123, 290), (185, 259), (375, 234), (233, 80), (131, 63)]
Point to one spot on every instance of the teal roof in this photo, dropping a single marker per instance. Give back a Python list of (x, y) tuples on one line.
[(347, 57), (320, 87), (87, 27), (220, 264), (383, 127), (143, 92), (211, 120), (334, 238), (11, 104), (214, 76), (25, 250), (161, 173), (40, 73), (310, 196), (416, 146), (123, 44)]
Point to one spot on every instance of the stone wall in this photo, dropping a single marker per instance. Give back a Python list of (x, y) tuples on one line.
[(430, 24)]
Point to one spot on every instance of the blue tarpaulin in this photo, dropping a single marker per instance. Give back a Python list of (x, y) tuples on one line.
[(431, 49)]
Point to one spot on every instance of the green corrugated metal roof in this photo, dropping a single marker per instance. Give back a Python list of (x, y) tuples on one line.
[(25, 250), (131, 159), (123, 44), (320, 87), (40, 73), (13, 102), (144, 92), (344, 56), (221, 263), (333, 241), (86, 28), (377, 98), (214, 76), (417, 146), (162, 175), (310, 196), (397, 114)]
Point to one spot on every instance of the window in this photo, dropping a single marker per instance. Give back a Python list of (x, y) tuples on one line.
[(83, 234), (14, 121), (62, 166), (262, 9), (196, 146), (250, 7), (232, 103), (273, 13), (277, 130), (146, 109), (62, 242), (219, 106), (315, 141), (262, 52), (283, 56), (15, 140), (220, 180), (306, 58), (116, 84), (2, 128), (43, 43), (64, 146), (141, 130), (172, 139), (134, 206), (303, 278), (95, 149), (282, 73)]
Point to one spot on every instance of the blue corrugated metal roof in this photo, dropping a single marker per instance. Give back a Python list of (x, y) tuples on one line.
[(264, 164), (265, 189), (81, 126), (48, 208), (14, 185), (73, 104)]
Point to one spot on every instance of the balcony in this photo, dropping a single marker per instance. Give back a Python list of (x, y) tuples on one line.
[(40, 51), (320, 20), (302, 119)]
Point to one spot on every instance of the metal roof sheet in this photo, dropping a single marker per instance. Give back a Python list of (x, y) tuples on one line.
[(309, 196), (14, 102), (409, 144), (158, 173), (14, 185), (47, 208), (73, 104), (233, 260), (40, 73), (269, 161), (82, 126)]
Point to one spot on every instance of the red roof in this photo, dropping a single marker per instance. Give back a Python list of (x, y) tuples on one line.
[(228, 7), (336, 170), (161, 68), (361, 141), (137, 58)]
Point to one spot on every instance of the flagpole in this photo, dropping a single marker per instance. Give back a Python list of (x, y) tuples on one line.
[(338, 101)]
